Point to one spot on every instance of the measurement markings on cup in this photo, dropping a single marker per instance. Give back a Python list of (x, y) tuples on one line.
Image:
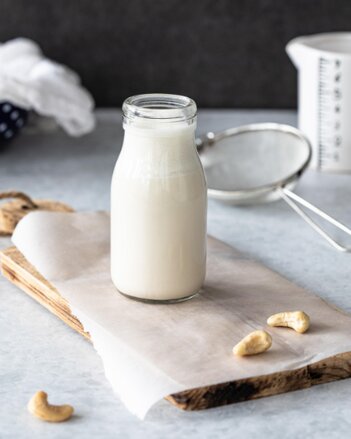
[(329, 112)]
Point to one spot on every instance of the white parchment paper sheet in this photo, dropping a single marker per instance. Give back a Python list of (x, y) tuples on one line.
[(150, 351)]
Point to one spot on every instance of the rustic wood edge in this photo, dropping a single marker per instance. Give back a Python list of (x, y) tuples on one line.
[(330, 369), (22, 274)]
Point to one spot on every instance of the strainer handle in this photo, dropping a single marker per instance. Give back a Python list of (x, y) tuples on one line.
[(292, 199)]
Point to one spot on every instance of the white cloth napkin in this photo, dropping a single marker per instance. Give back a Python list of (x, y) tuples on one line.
[(151, 351), (31, 81)]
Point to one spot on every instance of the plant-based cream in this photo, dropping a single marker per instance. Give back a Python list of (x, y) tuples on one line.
[(158, 202)]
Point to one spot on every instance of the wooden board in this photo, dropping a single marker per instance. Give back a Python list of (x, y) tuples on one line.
[(13, 211), (18, 270)]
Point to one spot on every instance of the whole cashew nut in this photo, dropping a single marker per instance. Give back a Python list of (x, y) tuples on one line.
[(297, 320), (40, 407), (254, 343)]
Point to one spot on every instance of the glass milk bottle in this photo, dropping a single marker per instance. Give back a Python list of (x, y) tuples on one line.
[(158, 202)]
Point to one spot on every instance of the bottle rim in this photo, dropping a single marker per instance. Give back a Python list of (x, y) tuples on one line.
[(159, 107)]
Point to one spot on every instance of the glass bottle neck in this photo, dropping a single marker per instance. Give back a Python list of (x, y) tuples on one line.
[(155, 130), (159, 113)]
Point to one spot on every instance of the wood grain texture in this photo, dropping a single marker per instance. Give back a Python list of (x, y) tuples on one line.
[(21, 273), (18, 270), (13, 211)]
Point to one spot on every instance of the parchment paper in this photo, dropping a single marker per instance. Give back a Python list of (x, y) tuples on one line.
[(150, 351)]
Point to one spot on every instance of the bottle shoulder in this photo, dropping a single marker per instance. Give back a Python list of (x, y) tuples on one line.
[(158, 161)]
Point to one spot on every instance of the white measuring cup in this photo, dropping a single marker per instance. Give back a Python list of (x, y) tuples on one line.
[(324, 96)]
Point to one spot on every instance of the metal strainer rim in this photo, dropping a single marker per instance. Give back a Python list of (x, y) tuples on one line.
[(211, 139)]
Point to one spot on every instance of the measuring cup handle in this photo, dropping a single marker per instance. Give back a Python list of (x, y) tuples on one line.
[(292, 199)]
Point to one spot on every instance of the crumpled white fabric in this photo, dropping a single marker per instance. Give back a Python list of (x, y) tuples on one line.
[(33, 82)]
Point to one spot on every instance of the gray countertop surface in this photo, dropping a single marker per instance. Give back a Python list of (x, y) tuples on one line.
[(38, 351)]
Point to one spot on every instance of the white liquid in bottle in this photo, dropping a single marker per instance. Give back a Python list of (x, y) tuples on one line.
[(158, 205)]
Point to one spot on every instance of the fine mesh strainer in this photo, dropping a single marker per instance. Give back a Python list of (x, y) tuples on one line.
[(258, 163)]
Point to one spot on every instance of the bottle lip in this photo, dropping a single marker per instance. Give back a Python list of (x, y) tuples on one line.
[(159, 107)]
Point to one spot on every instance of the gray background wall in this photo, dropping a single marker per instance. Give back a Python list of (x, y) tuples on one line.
[(223, 53)]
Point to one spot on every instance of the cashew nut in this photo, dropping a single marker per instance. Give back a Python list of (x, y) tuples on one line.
[(40, 407), (254, 343), (297, 320)]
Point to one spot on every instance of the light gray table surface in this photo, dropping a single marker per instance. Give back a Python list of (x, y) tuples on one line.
[(38, 351)]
